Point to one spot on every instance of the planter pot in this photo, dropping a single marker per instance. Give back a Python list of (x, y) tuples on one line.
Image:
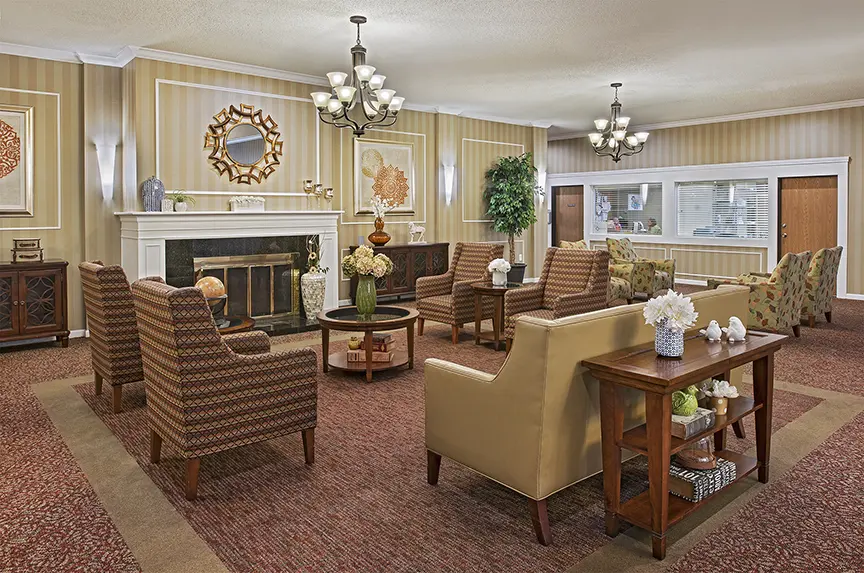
[(667, 343), (313, 286), (181, 207), (366, 295), (721, 405), (379, 238), (517, 273), (499, 278)]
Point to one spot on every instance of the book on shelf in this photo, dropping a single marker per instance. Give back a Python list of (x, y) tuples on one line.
[(378, 338), (380, 347), (696, 485), (686, 426), (360, 356)]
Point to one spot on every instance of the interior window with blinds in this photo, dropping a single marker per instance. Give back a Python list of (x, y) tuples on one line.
[(628, 209), (723, 209)]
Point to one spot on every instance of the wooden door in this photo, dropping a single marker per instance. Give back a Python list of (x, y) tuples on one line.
[(568, 214), (808, 214), (40, 301), (9, 312)]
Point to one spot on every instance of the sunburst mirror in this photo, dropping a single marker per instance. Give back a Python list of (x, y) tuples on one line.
[(244, 144)]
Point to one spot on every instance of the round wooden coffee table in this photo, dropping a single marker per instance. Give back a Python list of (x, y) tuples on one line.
[(482, 289), (385, 318)]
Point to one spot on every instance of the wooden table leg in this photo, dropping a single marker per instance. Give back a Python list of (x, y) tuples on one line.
[(720, 440), (763, 393), (478, 316), (367, 342), (496, 321), (411, 346), (325, 348), (658, 419), (611, 429)]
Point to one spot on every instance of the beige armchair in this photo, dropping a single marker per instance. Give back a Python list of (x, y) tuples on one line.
[(535, 426), (449, 298)]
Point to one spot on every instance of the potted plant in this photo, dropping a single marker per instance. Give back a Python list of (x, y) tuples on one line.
[(368, 266), (511, 185), (671, 314), (313, 283), (720, 392), (181, 201)]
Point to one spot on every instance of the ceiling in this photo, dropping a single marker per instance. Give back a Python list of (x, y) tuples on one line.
[(547, 62)]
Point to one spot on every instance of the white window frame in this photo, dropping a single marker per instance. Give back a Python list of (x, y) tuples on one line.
[(669, 177), (758, 242)]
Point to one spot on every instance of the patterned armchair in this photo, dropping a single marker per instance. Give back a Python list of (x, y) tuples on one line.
[(449, 298), (621, 286), (114, 348), (820, 286), (573, 281), (646, 275), (204, 397), (776, 300)]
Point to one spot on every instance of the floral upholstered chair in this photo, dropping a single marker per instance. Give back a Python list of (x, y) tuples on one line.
[(574, 281), (202, 396), (821, 284), (646, 275), (621, 286), (776, 300), (449, 298), (114, 348)]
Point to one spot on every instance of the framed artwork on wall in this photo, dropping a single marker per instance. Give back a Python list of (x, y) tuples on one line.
[(635, 202), (385, 169), (16, 161)]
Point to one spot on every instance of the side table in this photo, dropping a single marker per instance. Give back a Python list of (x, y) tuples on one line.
[(482, 289)]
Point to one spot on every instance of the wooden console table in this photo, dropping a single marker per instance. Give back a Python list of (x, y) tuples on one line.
[(640, 368), (410, 262), (33, 301)]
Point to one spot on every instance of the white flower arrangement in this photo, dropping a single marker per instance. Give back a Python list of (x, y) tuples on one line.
[(246, 199), (499, 266), (672, 310), (720, 389), (381, 206)]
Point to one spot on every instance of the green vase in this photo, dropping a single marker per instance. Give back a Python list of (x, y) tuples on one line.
[(366, 295)]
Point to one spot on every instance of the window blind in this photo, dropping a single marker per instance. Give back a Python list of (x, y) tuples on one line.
[(723, 209), (628, 209)]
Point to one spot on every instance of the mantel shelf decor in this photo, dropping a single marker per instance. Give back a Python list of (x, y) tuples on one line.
[(244, 144)]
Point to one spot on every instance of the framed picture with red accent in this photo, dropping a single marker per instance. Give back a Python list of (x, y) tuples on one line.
[(16, 161), (384, 169)]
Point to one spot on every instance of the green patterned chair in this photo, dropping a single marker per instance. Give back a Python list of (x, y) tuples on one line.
[(620, 287), (645, 275), (821, 285), (776, 300)]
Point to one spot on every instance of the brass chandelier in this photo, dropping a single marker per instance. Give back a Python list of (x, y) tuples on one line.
[(611, 138), (358, 100)]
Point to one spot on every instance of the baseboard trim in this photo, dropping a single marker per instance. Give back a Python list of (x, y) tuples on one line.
[(695, 282)]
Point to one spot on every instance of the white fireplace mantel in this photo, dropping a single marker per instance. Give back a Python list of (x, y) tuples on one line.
[(143, 236)]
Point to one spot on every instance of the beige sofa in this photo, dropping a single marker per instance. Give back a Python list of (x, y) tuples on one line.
[(535, 426)]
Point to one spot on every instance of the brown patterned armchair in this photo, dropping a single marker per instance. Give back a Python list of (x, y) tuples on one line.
[(449, 298), (204, 397), (114, 347), (573, 281)]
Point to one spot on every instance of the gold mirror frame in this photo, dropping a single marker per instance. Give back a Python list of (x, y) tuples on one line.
[(216, 139)]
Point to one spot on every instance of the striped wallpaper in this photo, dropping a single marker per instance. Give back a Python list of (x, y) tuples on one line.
[(809, 135)]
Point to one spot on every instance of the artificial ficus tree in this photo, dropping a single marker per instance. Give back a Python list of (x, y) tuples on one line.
[(511, 185)]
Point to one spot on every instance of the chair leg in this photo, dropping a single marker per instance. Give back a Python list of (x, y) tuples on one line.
[(738, 428), (828, 316), (98, 384), (155, 446), (117, 398), (433, 466), (629, 300), (420, 323), (540, 519), (796, 330), (309, 445), (812, 321), (193, 466), (455, 334)]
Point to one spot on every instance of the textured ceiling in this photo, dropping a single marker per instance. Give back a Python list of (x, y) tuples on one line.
[(548, 61)]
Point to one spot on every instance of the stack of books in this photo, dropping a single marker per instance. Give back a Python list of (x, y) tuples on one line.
[(696, 485), (686, 426), (383, 346)]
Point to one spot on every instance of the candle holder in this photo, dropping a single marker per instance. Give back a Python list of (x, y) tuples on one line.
[(328, 195), (308, 188), (319, 192)]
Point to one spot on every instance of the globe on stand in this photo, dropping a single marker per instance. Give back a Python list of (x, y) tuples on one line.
[(214, 293)]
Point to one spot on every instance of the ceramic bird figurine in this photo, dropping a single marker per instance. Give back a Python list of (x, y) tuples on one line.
[(736, 331), (713, 333)]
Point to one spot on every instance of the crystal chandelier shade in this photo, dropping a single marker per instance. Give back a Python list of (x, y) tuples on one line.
[(358, 100), (611, 138)]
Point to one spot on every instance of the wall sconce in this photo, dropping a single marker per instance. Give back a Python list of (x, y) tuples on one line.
[(449, 180), (106, 155)]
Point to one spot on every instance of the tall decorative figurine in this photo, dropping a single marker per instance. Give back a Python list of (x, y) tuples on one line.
[(152, 191)]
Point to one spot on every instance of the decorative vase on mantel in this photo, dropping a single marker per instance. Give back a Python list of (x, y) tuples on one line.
[(366, 295), (378, 237), (313, 287), (668, 343)]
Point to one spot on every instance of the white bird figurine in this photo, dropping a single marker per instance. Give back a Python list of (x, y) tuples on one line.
[(736, 331), (713, 333)]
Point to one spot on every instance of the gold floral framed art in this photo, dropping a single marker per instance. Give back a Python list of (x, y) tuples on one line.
[(385, 169), (16, 161)]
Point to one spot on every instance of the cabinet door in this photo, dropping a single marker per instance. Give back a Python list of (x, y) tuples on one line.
[(39, 303), (440, 261), (422, 264), (400, 280), (8, 304)]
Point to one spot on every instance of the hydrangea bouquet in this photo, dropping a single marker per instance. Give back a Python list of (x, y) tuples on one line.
[(364, 262), (671, 314)]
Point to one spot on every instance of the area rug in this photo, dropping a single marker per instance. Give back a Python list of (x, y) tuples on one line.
[(365, 504)]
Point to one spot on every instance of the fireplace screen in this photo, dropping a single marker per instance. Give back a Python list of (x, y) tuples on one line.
[(256, 285)]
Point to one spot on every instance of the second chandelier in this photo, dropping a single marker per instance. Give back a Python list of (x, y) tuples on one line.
[(611, 138)]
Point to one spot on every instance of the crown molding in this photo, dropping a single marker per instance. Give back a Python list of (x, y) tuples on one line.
[(40, 53), (125, 56), (812, 108)]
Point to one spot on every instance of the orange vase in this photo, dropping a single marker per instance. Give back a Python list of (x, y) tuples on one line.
[(379, 238)]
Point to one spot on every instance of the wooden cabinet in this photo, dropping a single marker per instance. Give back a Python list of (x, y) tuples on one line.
[(33, 302), (410, 262)]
